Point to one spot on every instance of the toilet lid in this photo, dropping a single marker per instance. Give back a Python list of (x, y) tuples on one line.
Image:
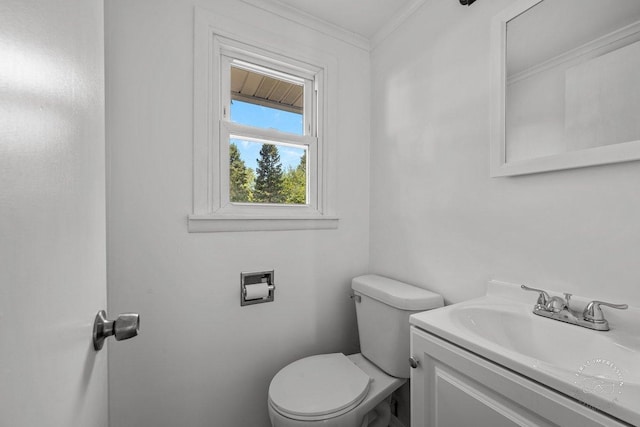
[(318, 386)]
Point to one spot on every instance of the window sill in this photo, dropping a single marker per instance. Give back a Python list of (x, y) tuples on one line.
[(220, 223)]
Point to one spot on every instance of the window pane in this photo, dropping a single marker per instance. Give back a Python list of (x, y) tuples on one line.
[(266, 101), (267, 173), (265, 117)]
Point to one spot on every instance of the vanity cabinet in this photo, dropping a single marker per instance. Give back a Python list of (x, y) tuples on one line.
[(453, 387)]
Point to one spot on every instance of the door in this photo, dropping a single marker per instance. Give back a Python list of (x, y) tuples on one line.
[(52, 213)]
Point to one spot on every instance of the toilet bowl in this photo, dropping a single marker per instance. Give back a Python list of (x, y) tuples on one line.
[(354, 391), (329, 390)]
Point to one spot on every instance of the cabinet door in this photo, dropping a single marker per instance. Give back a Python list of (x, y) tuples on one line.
[(442, 396), (452, 387)]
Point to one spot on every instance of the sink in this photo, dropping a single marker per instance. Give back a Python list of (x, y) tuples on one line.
[(600, 369), (516, 329)]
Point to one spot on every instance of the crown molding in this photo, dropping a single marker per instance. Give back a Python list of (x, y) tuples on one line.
[(295, 15), (395, 22)]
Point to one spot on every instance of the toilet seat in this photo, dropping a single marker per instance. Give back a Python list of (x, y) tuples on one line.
[(318, 387)]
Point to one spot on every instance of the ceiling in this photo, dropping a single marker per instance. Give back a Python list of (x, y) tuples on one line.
[(362, 17)]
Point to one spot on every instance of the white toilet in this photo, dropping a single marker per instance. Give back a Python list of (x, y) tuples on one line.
[(354, 391)]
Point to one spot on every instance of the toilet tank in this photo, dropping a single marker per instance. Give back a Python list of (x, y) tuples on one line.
[(383, 309)]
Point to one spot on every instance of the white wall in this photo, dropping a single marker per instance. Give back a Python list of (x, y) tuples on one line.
[(201, 359), (439, 221)]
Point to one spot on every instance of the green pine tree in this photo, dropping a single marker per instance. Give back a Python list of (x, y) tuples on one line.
[(295, 183), (269, 176), (303, 163), (240, 177)]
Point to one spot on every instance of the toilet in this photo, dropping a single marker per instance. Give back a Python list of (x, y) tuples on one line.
[(335, 390)]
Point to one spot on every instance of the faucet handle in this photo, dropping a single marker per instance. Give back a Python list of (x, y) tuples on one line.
[(557, 304), (593, 312), (543, 298)]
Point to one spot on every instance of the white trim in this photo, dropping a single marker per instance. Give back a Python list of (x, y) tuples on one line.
[(252, 53), (229, 50), (215, 35), (209, 224), (395, 22), (224, 206), (293, 14), (270, 72), (614, 153), (243, 131), (607, 43), (497, 153), (296, 15), (205, 102)]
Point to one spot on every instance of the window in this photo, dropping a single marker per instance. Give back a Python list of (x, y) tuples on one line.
[(268, 121), (260, 154)]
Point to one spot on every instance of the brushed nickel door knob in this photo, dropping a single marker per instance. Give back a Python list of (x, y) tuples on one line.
[(124, 327)]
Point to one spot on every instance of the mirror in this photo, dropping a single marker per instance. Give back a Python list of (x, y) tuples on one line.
[(566, 85)]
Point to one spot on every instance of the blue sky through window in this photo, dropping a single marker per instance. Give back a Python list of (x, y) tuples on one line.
[(268, 118)]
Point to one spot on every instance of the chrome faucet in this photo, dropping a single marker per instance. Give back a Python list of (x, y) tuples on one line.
[(557, 308)]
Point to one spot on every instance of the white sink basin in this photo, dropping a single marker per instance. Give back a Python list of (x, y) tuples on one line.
[(601, 369)]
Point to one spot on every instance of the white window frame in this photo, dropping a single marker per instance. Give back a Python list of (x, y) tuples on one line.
[(215, 50), (310, 79)]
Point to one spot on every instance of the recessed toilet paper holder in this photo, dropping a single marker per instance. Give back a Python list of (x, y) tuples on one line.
[(257, 287)]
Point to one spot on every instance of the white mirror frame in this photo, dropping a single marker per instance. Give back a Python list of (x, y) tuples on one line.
[(614, 153)]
